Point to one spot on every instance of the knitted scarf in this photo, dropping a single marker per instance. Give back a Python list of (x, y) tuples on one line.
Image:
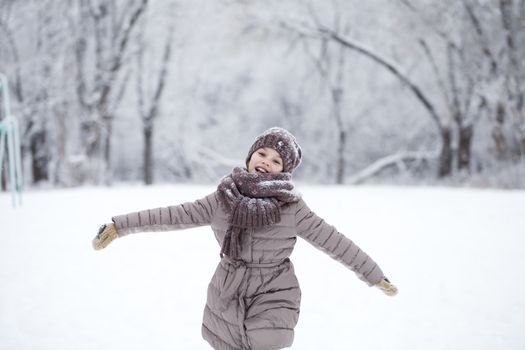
[(252, 200)]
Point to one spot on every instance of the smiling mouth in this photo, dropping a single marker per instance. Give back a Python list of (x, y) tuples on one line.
[(260, 170)]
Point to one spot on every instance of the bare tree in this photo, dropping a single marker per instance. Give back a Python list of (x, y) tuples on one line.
[(330, 64), (150, 113), (318, 31), (99, 63), (481, 75), (457, 85), (332, 74)]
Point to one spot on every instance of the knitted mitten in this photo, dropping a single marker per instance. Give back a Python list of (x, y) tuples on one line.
[(106, 234), (387, 287)]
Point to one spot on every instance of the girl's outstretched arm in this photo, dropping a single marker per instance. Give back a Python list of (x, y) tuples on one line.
[(177, 217)]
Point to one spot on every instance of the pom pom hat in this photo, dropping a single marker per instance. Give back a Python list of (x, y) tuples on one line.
[(283, 142)]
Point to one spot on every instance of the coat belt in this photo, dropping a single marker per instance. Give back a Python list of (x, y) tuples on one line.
[(238, 263)]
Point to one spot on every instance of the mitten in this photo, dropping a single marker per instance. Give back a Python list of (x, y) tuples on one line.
[(387, 287), (106, 233)]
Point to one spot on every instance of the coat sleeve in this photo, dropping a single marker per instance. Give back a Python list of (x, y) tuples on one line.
[(177, 217), (326, 238)]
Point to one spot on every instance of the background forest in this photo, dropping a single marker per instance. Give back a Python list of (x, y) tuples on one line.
[(407, 92)]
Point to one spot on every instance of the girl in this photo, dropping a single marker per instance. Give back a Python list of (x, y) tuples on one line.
[(256, 214)]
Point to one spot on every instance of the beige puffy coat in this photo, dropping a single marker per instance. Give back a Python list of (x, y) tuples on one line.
[(254, 303)]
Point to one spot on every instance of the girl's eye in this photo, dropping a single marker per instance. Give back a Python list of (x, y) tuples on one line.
[(262, 154), (277, 162)]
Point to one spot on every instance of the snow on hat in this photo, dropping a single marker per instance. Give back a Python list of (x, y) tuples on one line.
[(283, 142)]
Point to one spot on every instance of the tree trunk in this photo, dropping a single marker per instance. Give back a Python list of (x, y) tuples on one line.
[(91, 138), (3, 175), (148, 118), (445, 157), (97, 95), (464, 147), (148, 155), (340, 173), (497, 133), (40, 157), (107, 176)]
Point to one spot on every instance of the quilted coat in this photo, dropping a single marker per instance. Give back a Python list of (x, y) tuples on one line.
[(253, 303)]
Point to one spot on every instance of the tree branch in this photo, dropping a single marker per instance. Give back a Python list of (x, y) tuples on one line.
[(481, 36), (152, 114), (435, 69), (390, 67), (397, 159), (420, 16)]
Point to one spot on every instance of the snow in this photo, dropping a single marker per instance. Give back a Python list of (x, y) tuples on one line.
[(456, 256)]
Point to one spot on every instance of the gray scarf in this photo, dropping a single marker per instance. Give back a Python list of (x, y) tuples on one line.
[(252, 200)]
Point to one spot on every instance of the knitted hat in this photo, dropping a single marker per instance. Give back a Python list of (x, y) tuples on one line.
[(283, 142)]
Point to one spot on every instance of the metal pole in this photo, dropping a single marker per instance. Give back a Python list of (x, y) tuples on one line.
[(10, 133)]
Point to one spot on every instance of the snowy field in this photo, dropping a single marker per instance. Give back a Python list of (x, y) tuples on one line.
[(457, 256)]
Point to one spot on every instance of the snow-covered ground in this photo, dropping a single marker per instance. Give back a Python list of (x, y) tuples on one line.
[(457, 256)]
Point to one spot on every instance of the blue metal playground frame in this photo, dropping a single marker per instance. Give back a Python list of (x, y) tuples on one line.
[(10, 143)]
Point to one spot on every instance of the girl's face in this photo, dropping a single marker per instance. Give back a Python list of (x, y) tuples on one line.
[(265, 160)]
